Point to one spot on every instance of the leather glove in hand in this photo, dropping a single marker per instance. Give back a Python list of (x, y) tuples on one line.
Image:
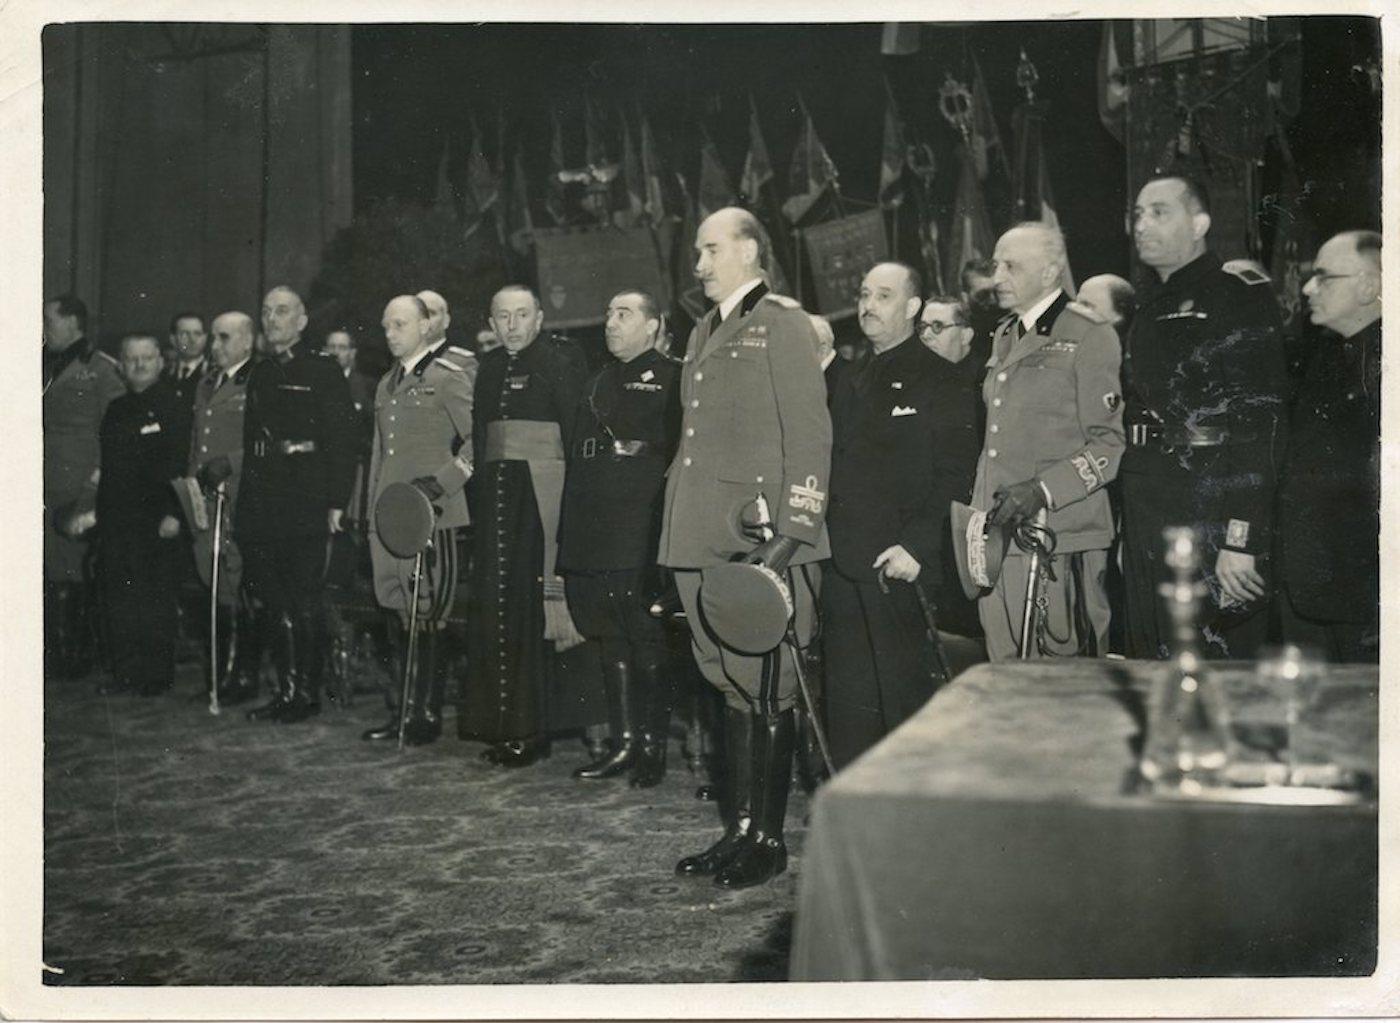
[(430, 487), (214, 472), (1016, 503), (775, 553)]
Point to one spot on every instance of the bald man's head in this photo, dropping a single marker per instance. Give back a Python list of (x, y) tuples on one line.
[(231, 338), (406, 326), (438, 315), (731, 249)]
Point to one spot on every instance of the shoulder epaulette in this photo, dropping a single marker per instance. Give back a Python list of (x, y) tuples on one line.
[(1246, 270), (447, 363), (465, 353), (109, 358), (1092, 315), (783, 300)]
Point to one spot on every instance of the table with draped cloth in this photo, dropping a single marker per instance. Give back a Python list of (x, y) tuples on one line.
[(998, 834)]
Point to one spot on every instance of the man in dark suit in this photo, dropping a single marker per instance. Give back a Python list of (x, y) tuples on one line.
[(1204, 387), (625, 432), (145, 434), (1329, 499), (904, 445), (298, 467), (755, 429), (189, 341)]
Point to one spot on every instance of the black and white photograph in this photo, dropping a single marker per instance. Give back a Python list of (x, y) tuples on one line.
[(685, 513)]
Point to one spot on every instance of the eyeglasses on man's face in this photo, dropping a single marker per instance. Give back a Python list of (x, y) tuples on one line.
[(936, 326)]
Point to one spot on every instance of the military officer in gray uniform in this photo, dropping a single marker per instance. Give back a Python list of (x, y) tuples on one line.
[(216, 459), (423, 436), (755, 430), (1054, 438), (79, 383)]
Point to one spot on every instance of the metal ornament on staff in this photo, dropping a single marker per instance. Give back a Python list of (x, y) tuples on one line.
[(1028, 538)]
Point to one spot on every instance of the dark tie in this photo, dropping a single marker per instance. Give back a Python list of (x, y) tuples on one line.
[(398, 377), (1020, 328), (223, 378), (716, 318)]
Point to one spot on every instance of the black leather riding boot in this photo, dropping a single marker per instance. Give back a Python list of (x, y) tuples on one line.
[(424, 723), (734, 796), (656, 686), (244, 674), (309, 658), (764, 856), (281, 638), (621, 688)]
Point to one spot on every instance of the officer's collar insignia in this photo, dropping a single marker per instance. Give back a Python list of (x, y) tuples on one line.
[(648, 375)]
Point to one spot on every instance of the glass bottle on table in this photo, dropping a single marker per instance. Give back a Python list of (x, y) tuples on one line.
[(1188, 722)]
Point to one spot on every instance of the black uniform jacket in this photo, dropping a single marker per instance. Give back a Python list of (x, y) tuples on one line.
[(1329, 501), (612, 496), (540, 383), (1205, 355), (904, 445), (145, 440), (185, 388), (299, 445)]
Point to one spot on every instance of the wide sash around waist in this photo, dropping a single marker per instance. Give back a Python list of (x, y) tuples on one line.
[(523, 440)]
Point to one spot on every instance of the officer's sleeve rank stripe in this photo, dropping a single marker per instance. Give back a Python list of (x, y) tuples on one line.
[(1090, 469)]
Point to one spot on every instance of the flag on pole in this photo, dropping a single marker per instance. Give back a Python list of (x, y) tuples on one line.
[(812, 170), (971, 235), (653, 190), (1113, 85), (893, 155), (758, 168), (633, 183), (714, 192), (444, 195), (482, 185), (986, 137), (554, 201), (520, 224), (1031, 183)]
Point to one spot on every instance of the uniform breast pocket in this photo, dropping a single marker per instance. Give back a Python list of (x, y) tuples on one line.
[(1047, 383)]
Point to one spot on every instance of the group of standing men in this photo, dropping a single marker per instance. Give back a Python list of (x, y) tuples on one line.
[(836, 477)]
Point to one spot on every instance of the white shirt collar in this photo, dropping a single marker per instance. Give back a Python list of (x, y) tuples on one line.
[(232, 371), (826, 359), (1032, 314), (409, 366), (736, 296)]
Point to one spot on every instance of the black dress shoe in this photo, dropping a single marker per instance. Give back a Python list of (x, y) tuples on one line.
[(517, 752), (382, 733), (422, 730), (610, 765), (758, 862), (297, 711), (235, 693), (650, 768), (713, 859)]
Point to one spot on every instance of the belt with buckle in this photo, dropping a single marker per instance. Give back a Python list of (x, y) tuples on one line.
[(1142, 435), (590, 448), (263, 448)]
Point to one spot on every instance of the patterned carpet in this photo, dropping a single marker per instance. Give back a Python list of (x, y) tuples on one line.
[(182, 848)]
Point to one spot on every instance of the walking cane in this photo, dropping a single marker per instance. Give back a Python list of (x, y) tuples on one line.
[(930, 614), (214, 601)]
